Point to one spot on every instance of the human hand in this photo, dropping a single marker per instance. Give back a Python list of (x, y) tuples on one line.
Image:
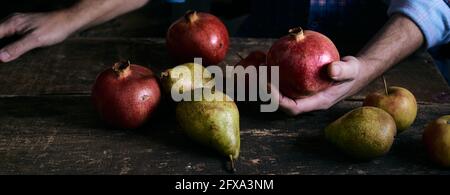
[(37, 30), (349, 79)]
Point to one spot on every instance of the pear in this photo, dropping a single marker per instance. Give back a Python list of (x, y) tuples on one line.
[(436, 138), (189, 76), (364, 133), (213, 123)]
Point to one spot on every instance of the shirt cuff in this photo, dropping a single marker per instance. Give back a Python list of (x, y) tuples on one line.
[(431, 16)]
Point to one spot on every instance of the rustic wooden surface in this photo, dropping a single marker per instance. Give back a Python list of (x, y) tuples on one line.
[(48, 125), (71, 68)]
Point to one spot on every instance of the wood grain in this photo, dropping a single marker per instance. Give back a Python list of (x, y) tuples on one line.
[(63, 135), (71, 68), (48, 125)]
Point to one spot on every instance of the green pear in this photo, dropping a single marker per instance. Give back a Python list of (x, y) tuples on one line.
[(398, 102), (187, 77), (363, 133), (213, 123), (436, 138)]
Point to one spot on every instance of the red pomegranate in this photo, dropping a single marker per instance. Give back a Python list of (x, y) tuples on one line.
[(303, 57), (198, 35), (256, 59), (126, 95)]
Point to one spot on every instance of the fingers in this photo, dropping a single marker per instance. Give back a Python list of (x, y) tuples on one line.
[(7, 29), (17, 23), (344, 70), (286, 104), (14, 24), (18, 48), (320, 101), (312, 103)]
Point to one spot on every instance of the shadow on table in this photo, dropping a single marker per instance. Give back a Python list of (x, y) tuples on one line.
[(76, 116), (291, 145)]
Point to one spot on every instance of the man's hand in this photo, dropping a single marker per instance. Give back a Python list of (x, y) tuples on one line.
[(44, 29), (396, 40), (38, 30), (349, 80)]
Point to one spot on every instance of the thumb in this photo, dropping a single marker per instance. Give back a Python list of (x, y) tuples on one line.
[(344, 70), (18, 48), (274, 92)]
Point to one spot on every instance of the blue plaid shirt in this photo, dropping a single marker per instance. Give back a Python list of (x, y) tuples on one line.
[(338, 18), (335, 13)]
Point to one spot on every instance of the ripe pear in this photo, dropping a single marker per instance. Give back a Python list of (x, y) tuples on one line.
[(187, 76), (436, 138), (364, 133), (212, 123), (398, 102)]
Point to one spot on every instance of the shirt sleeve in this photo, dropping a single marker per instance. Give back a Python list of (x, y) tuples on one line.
[(431, 16)]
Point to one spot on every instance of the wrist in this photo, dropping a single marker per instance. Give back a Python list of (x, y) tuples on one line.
[(68, 20), (77, 17), (368, 69)]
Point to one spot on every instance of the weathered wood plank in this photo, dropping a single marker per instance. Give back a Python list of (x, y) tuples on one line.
[(71, 68), (63, 135)]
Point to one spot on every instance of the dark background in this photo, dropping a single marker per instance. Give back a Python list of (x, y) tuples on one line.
[(246, 18)]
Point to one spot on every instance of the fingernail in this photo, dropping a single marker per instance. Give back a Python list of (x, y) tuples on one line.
[(4, 56), (336, 71)]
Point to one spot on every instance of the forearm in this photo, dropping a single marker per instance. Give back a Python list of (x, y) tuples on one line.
[(45, 29), (395, 41), (88, 13)]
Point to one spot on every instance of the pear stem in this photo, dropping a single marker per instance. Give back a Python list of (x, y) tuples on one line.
[(385, 86), (233, 168), (239, 55), (165, 74)]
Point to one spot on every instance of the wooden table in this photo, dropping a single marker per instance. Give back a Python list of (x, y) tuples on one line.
[(48, 125)]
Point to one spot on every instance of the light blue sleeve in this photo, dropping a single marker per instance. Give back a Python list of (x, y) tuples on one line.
[(431, 16)]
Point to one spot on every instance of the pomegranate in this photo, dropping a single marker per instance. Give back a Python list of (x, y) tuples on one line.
[(255, 58), (198, 35), (126, 95), (303, 57)]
